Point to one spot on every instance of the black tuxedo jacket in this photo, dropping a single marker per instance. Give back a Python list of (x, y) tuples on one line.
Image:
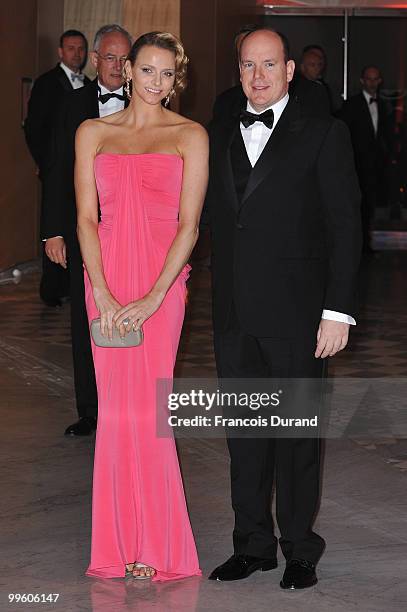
[(291, 246), (58, 216), (312, 97), (371, 150), (46, 96)]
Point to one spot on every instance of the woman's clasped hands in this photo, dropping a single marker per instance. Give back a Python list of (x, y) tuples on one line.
[(134, 314), (125, 318)]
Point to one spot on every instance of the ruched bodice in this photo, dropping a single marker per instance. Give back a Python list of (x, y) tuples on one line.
[(138, 510), (159, 179)]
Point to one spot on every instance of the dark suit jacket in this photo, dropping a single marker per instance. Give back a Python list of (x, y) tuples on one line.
[(370, 150), (46, 96), (292, 247), (312, 96)]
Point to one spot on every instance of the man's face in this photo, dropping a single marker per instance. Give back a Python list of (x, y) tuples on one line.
[(312, 66), (263, 72), (73, 52), (371, 80), (109, 60)]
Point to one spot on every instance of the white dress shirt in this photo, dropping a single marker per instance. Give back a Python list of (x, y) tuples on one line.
[(373, 110), (76, 83), (255, 138), (113, 105)]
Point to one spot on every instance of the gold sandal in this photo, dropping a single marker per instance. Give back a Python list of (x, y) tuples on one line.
[(129, 569), (146, 567)]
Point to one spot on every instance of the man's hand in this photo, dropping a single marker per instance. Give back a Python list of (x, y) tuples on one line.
[(55, 249), (332, 337)]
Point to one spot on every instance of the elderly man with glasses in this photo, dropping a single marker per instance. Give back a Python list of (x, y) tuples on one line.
[(101, 97)]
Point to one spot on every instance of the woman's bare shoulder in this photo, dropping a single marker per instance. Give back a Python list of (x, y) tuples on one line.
[(189, 132), (90, 127), (94, 131), (100, 124)]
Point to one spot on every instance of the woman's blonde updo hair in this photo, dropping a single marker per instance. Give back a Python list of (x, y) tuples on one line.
[(164, 40)]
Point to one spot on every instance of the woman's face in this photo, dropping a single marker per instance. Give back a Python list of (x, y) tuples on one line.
[(153, 74)]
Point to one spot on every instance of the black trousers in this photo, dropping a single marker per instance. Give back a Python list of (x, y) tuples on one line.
[(84, 372), (254, 461), (54, 283)]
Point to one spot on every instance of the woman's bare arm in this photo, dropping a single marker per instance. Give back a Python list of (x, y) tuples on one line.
[(86, 145)]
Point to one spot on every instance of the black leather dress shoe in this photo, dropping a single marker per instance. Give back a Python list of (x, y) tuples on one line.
[(299, 574), (84, 427), (241, 566)]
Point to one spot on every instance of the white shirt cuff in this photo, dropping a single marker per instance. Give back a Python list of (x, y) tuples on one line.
[(332, 315), (45, 239)]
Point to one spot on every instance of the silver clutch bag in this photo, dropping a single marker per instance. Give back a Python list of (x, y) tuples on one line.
[(132, 338)]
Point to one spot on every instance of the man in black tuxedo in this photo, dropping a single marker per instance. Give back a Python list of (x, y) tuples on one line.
[(101, 97), (313, 98), (312, 68), (366, 116), (283, 207), (45, 99)]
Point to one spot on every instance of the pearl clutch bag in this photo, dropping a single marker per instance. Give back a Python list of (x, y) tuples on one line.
[(132, 338)]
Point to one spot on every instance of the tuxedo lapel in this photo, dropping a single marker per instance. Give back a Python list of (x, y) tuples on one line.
[(93, 103), (289, 124), (367, 117), (223, 158), (63, 79)]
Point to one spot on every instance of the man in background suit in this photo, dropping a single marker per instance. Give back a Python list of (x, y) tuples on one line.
[(46, 97), (101, 97), (313, 98), (366, 116), (283, 208), (312, 67)]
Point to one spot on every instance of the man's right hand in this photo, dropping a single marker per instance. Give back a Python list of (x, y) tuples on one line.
[(55, 248)]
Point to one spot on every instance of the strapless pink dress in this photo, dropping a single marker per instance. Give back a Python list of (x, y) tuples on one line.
[(138, 509)]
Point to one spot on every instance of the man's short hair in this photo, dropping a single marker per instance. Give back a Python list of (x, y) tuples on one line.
[(283, 38), (309, 48), (108, 29), (246, 29), (366, 68), (69, 34)]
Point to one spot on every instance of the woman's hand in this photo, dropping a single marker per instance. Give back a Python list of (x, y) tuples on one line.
[(133, 315), (107, 307)]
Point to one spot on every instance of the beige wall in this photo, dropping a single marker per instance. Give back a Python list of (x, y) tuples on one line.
[(149, 15)]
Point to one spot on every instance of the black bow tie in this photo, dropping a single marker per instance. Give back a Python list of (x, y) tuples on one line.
[(103, 98), (372, 100), (248, 118)]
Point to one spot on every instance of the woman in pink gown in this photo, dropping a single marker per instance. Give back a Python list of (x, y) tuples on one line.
[(148, 168)]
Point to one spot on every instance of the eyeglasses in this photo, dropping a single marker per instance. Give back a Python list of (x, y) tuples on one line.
[(112, 59)]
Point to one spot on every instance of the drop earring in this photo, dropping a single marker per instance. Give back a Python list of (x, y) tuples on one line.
[(168, 98), (127, 88)]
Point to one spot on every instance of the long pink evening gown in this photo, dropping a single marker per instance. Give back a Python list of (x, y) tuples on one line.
[(138, 510)]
